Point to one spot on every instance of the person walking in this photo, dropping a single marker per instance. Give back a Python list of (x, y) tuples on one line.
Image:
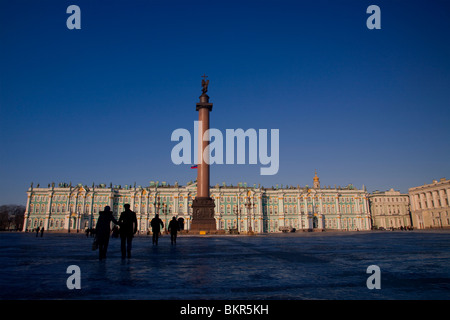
[(174, 227), (156, 225), (37, 232), (42, 232), (103, 230), (128, 227)]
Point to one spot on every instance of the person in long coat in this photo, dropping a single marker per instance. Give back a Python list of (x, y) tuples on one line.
[(156, 225), (128, 227), (174, 227), (103, 231)]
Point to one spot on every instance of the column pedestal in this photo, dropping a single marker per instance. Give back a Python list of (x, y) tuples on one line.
[(203, 216)]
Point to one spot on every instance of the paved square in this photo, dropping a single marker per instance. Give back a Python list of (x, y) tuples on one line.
[(413, 264)]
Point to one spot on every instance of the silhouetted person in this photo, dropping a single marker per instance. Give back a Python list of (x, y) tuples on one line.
[(128, 227), (42, 232), (174, 227), (37, 232), (103, 230), (156, 224)]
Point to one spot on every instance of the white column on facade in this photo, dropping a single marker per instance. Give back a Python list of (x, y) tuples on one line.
[(434, 194), (49, 210), (281, 222), (73, 226), (366, 204), (320, 220), (310, 214), (217, 216), (422, 200), (238, 208), (217, 208), (306, 215), (338, 212), (412, 202), (138, 212), (91, 210), (150, 208), (68, 213), (260, 213), (81, 214), (338, 208), (429, 203), (27, 211), (244, 212), (175, 204), (448, 197), (132, 195), (366, 210), (49, 202), (442, 197), (111, 199)]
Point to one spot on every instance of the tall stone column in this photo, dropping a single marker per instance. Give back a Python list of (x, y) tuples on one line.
[(203, 205)]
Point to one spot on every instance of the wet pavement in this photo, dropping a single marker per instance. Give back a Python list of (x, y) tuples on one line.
[(328, 265)]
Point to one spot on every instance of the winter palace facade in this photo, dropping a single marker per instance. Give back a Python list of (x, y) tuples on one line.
[(238, 208)]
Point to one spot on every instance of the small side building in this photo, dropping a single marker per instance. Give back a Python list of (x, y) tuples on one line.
[(390, 209)]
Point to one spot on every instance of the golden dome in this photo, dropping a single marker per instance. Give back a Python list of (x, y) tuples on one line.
[(316, 178)]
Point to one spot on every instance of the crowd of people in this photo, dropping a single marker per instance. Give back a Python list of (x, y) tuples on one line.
[(126, 228)]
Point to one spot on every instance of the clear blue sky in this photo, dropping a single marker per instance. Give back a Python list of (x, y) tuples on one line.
[(99, 104)]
